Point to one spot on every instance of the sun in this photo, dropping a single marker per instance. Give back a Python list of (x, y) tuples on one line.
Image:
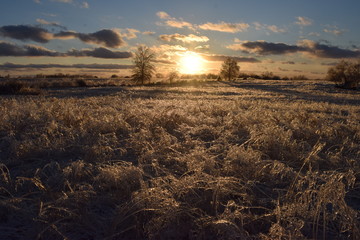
[(191, 63)]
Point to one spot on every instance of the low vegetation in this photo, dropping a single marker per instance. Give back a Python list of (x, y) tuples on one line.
[(239, 160), (11, 87), (346, 74)]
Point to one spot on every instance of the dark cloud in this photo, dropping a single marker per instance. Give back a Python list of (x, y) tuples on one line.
[(105, 37), (220, 58), (266, 48), (7, 66), (326, 51), (319, 50), (289, 62), (25, 32), (99, 53), (10, 49)]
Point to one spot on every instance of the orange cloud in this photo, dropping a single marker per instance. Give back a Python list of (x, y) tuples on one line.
[(225, 27), (183, 38), (173, 22), (276, 29), (304, 21), (163, 15)]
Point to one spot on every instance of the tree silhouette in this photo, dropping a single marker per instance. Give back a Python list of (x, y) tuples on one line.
[(143, 61), (229, 69)]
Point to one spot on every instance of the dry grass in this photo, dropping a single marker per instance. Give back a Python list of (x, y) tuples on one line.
[(246, 160)]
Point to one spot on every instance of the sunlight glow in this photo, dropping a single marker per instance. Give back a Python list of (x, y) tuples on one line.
[(191, 63)]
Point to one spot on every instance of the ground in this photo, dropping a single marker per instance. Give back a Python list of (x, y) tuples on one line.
[(252, 159)]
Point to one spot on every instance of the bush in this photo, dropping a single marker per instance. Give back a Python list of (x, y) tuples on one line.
[(81, 83), (173, 76), (18, 87), (11, 87), (346, 74)]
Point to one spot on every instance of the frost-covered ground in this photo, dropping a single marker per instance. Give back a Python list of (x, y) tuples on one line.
[(214, 160)]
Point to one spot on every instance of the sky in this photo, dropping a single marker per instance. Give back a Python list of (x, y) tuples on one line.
[(99, 37)]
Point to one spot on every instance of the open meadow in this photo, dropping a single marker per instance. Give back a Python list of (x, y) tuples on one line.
[(251, 159)]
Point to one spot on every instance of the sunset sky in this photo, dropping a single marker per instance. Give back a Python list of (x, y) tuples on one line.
[(286, 37)]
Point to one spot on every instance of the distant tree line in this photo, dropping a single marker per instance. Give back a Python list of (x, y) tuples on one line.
[(62, 75), (270, 76)]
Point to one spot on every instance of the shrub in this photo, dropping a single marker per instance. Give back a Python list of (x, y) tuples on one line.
[(346, 74), (81, 83), (18, 87), (173, 76), (11, 87)]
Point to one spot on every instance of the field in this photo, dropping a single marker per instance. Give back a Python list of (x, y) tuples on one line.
[(251, 159)]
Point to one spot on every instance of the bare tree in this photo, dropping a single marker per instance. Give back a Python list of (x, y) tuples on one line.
[(144, 67), (229, 69), (346, 74)]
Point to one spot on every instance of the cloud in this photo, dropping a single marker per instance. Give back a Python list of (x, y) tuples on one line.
[(105, 37), (305, 46), (203, 47), (9, 49), (12, 50), (258, 26), (265, 48), (99, 53), (84, 5), (178, 24), (314, 34), (49, 14), (173, 22), (273, 28), (164, 61), (163, 15), (304, 21), (54, 24), (335, 31), (63, 1), (183, 38), (289, 62), (149, 33), (7, 66), (220, 58), (225, 27), (221, 26), (37, 1), (168, 49), (25, 32), (276, 29), (129, 33), (326, 51)]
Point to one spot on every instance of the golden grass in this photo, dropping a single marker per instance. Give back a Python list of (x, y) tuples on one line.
[(216, 160)]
